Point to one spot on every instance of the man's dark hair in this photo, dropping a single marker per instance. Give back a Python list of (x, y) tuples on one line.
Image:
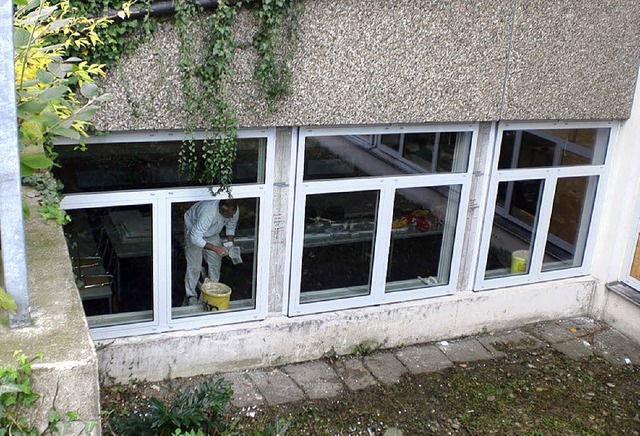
[(230, 203)]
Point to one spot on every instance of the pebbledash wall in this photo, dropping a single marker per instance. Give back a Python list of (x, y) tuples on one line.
[(404, 64)]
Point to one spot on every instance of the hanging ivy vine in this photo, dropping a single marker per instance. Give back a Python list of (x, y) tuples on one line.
[(209, 161), (276, 19), (204, 80)]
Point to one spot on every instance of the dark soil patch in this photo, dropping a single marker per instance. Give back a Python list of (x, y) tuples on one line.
[(528, 392)]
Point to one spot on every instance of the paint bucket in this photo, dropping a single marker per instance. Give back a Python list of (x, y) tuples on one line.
[(216, 296), (519, 260)]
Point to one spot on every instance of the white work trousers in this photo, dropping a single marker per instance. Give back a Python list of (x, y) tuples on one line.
[(194, 255)]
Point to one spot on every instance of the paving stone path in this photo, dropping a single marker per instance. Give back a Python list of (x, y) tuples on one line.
[(577, 338)]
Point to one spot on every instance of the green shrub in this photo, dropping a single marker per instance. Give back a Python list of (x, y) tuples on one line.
[(193, 412)]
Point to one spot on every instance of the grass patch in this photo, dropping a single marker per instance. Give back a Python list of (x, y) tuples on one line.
[(535, 392)]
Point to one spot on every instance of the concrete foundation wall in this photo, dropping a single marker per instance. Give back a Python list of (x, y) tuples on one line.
[(279, 340), (411, 61), (67, 376), (622, 313)]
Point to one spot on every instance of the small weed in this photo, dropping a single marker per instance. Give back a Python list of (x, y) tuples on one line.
[(331, 354), (366, 349)]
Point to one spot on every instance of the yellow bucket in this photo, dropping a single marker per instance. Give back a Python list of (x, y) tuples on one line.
[(519, 260), (216, 296)]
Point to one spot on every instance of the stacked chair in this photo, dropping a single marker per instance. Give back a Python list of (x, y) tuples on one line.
[(94, 266)]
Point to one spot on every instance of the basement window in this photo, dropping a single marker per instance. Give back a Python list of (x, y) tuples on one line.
[(543, 199), (377, 214), (127, 238)]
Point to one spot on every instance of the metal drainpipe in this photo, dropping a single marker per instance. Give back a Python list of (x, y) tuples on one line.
[(162, 8), (14, 259)]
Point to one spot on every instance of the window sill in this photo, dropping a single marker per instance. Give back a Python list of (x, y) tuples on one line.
[(625, 291)]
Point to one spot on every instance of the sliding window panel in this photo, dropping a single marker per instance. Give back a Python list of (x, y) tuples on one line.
[(339, 234), (123, 165), (422, 235), (570, 220), (356, 156), (191, 266), (511, 242), (553, 147), (111, 250)]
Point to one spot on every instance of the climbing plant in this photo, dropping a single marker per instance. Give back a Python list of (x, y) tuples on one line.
[(205, 79), (276, 19), (209, 161)]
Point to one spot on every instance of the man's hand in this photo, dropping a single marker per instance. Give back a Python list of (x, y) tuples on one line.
[(221, 251)]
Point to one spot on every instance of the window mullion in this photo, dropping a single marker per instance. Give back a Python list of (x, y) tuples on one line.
[(162, 261), (545, 210), (382, 242)]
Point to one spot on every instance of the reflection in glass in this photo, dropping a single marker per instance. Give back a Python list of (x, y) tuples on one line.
[(337, 157), (570, 219), (391, 141), (111, 252), (511, 243), (422, 232), (338, 245), (239, 276), (552, 147), (144, 165)]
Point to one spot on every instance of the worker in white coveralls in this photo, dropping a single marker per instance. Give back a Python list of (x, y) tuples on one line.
[(203, 223)]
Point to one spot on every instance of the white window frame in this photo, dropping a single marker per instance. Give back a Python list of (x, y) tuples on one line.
[(161, 201), (386, 186), (550, 177)]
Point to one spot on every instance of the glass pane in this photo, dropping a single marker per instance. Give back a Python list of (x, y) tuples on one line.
[(635, 266), (144, 165), (512, 234), (570, 218), (338, 245), (552, 147), (422, 232), (337, 157), (391, 141), (202, 273), (419, 148), (111, 251)]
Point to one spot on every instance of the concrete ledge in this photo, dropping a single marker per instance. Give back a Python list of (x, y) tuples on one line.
[(67, 376), (280, 340), (622, 309)]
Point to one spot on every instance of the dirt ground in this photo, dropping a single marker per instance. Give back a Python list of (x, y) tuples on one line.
[(536, 392)]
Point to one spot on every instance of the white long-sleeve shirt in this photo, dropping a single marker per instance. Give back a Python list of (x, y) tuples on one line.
[(204, 220)]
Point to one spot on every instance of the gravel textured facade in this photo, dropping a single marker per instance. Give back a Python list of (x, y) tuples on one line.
[(412, 61)]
